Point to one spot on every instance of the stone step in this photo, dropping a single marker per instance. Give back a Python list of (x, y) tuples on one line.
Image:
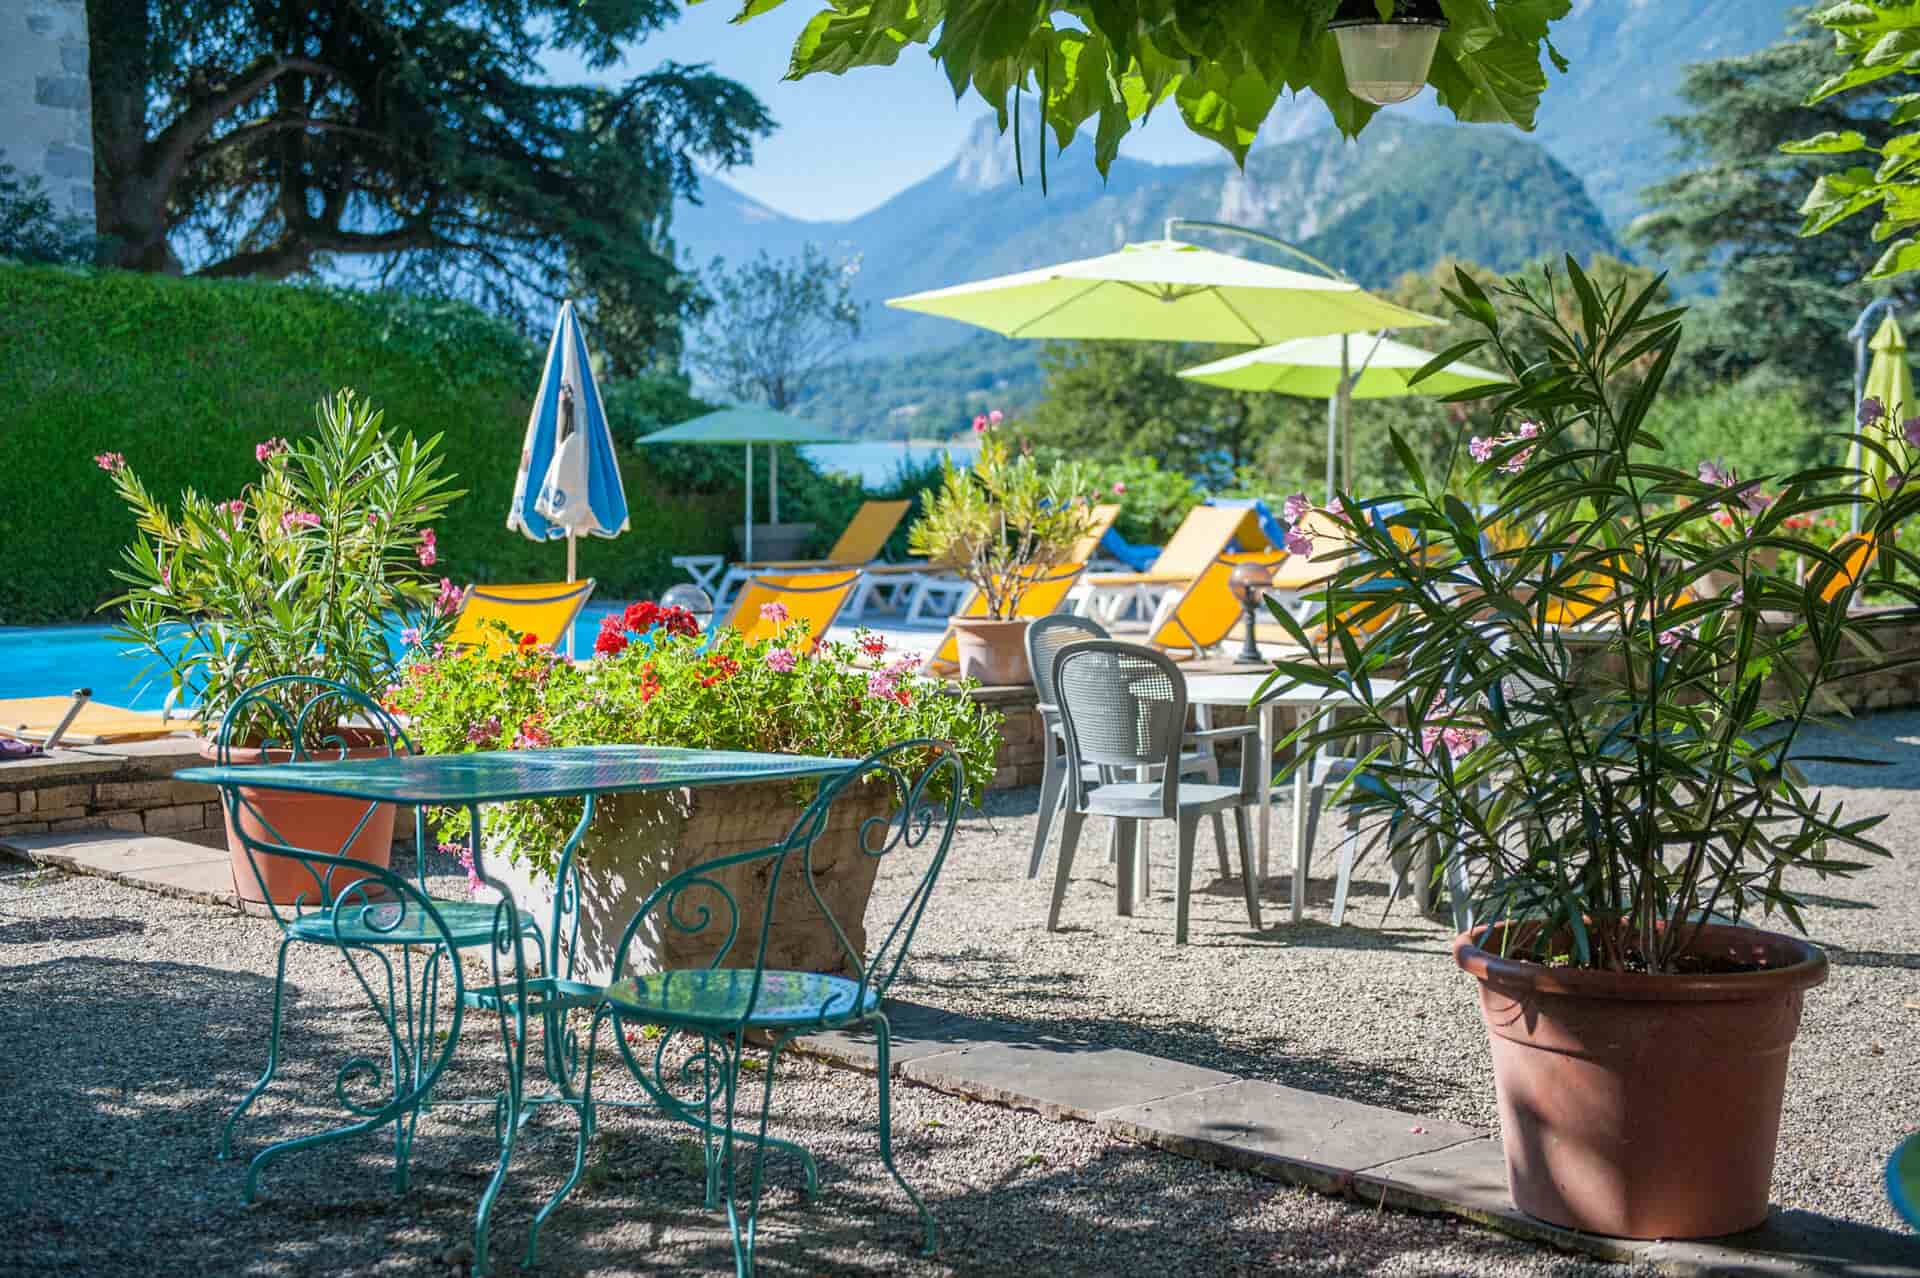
[(1379, 1156), (152, 862)]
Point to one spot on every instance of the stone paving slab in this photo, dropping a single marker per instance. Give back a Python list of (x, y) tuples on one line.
[(1058, 1078), (916, 1031), (1304, 1137), (151, 862)]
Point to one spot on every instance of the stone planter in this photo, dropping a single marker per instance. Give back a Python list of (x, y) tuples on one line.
[(638, 841)]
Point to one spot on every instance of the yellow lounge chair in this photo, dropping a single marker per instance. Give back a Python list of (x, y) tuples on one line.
[(79, 720), (1855, 552), (1045, 595), (1208, 611), (1201, 538), (813, 597), (543, 609), (859, 544)]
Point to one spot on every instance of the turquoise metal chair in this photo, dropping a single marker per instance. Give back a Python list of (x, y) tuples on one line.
[(736, 994), (1903, 1180), (401, 943)]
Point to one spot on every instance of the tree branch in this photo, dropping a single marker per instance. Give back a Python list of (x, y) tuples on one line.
[(172, 148), (294, 251)]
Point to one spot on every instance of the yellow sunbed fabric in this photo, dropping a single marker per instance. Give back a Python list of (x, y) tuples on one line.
[(35, 718), (1201, 538), (1209, 610), (813, 597), (543, 609), (1089, 545), (1045, 595), (1855, 552), (860, 542)]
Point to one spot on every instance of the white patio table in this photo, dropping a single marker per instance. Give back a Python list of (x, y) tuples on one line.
[(1239, 690)]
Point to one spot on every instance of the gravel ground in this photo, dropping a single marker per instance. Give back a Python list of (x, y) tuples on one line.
[(131, 1023), (1377, 1012)]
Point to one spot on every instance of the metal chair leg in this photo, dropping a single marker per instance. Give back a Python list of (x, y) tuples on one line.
[(273, 1054), (882, 1049), (588, 1122), (1063, 870)]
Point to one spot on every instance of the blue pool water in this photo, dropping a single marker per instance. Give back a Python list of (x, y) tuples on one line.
[(40, 661)]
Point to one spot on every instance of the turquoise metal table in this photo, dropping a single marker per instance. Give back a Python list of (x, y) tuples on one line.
[(473, 781)]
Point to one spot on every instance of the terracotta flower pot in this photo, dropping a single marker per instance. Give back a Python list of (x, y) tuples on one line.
[(1644, 1106), (316, 822), (994, 652)]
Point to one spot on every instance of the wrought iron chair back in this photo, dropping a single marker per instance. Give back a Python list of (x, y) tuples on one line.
[(300, 718), (1123, 706), (923, 781)]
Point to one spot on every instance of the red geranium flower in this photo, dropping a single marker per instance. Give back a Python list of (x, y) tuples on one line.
[(611, 642)]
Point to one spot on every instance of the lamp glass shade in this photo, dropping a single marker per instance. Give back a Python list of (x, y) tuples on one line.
[(1387, 62), (1248, 581)]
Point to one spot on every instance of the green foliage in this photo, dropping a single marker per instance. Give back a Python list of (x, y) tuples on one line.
[(271, 140), (1223, 65), (1878, 45), (1152, 501), (1601, 807), (1783, 302), (1749, 426), (297, 575), (663, 685), (1004, 522), (774, 327), (184, 377)]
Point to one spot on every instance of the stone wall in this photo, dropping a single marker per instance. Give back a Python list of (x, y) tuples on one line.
[(46, 107), (127, 788)]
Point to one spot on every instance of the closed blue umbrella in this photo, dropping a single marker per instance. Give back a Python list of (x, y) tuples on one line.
[(569, 482)]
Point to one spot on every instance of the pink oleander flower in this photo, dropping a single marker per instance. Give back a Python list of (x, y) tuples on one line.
[(236, 509), (980, 425), (775, 612), (449, 600), (905, 665), (1871, 411), (112, 463), (1895, 482), (1460, 742), (1296, 508), (1711, 472), (1529, 430), (1756, 501), (268, 448), (1299, 543), (410, 636), (298, 519), (1516, 463), (429, 548), (1482, 450), (1119, 489), (782, 661), (1672, 638), (995, 417), (464, 854)]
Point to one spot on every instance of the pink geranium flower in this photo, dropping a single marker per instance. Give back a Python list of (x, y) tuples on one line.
[(775, 612), (782, 661)]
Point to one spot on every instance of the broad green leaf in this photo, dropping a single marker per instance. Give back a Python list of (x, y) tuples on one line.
[(1827, 143), (1899, 259)]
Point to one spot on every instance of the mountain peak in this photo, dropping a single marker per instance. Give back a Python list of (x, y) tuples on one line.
[(986, 160)]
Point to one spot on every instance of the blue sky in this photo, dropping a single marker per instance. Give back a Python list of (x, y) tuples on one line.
[(845, 143)]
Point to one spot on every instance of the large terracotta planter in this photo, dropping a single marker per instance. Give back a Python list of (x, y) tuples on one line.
[(316, 822), (1644, 1106), (638, 841), (994, 652)]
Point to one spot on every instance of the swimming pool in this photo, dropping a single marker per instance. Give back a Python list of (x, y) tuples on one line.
[(42, 661)]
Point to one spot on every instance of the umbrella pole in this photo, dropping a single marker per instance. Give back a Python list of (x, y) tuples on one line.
[(570, 579), (746, 534), (773, 483), (1333, 433)]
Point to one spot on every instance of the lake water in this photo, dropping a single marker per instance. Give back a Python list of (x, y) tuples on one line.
[(877, 462)]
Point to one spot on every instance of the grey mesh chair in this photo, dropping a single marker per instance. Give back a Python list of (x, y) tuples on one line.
[(1124, 710), (1045, 637)]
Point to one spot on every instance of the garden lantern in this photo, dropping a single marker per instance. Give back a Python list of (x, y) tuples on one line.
[(1387, 60), (1249, 583)]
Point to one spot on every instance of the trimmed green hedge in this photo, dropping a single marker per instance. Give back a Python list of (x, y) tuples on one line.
[(185, 376)]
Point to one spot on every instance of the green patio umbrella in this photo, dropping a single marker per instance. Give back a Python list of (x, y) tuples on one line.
[(1889, 380), (1164, 290), (747, 424), (1319, 367)]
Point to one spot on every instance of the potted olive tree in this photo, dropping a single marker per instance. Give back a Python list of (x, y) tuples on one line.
[(1003, 525), (304, 572), (1606, 754)]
